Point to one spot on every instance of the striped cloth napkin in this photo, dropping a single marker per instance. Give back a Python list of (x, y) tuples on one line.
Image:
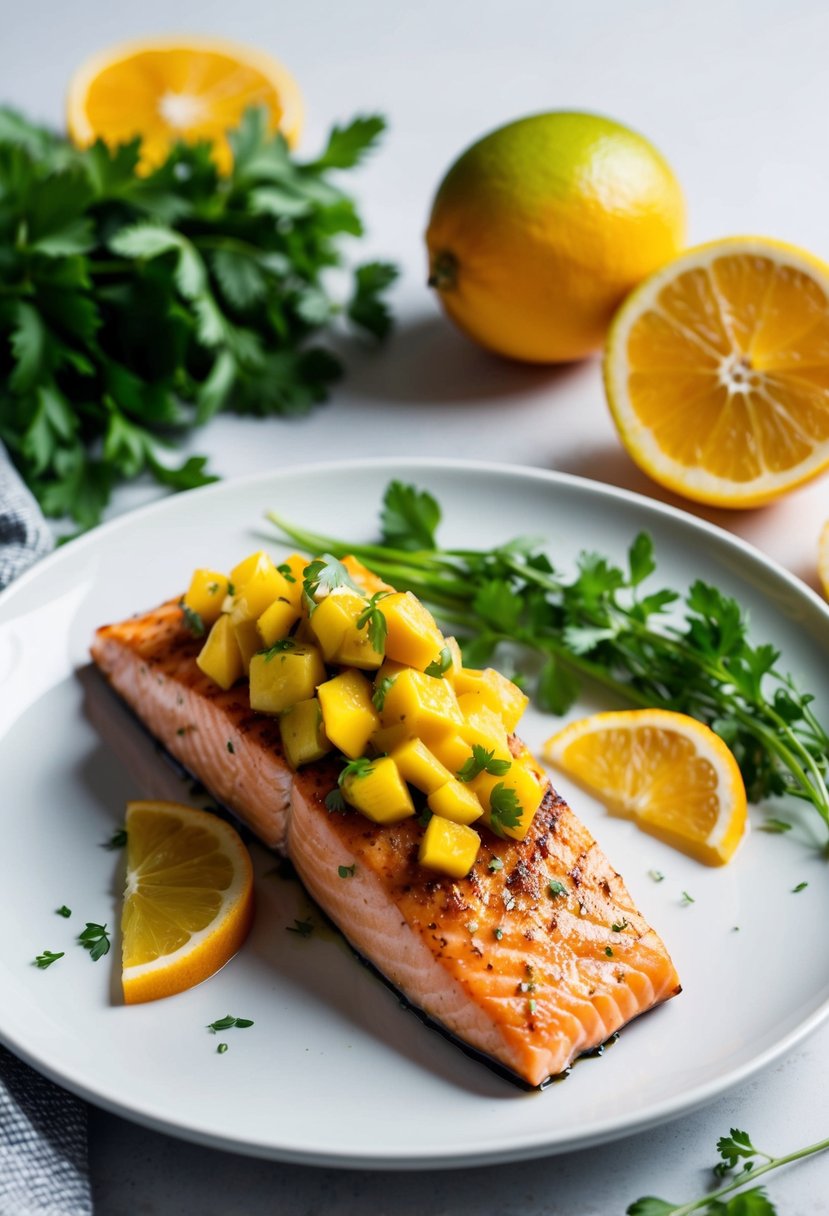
[(44, 1167)]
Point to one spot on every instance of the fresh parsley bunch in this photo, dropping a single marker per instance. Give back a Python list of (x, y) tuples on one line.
[(134, 306), (606, 624)]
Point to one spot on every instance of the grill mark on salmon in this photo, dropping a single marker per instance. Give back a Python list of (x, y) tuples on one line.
[(524, 977)]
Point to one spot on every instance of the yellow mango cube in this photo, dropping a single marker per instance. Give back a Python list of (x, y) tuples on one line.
[(348, 713), (452, 751), (219, 657), (427, 705), (420, 767), (455, 801), (281, 677), (243, 571), (483, 726), (449, 847), (495, 691), (334, 625), (528, 790), (364, 577), (388, 670), (303, 735), (292, 570), (206, 594), (412, 637), (379, 792), (248, 641), (457, 661), (258, 593), (387, 738), (276, 621)]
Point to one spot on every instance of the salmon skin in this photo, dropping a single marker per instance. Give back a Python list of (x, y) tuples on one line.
[(538, 956)]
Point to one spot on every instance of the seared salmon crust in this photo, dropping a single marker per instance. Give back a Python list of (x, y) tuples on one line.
[(533, 959)]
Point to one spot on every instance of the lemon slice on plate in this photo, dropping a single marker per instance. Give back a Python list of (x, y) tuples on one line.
[(172, 89), (717, 372), (188, 903), (668, 772)]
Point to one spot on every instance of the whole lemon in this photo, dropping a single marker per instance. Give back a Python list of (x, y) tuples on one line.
[(540, 229)]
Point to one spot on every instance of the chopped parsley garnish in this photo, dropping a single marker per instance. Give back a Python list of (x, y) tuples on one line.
[(556, 888), (361, 767), (656, 875), (372, 619), (347, 871), (483, 761), (441, 664), (192, 620), (303, 928), (498, 933), (287, 573), (230, 747), (322, 576), (532, 1005), (48, 957), (116, 841), (801, 886), (618, 926), (212, 588), (95, 939), (64, 911), (776, 826), (221, 1049), (381, 692), (496, 864), (334, 801), (609, 951), (227, 1022), (504, 809), (278, 648), (231, 588), (688, 899)]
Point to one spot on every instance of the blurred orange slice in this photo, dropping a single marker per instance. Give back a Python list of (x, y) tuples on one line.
[(717, 372), (172, 89), (668, 772), (188, 903), (823, 559)]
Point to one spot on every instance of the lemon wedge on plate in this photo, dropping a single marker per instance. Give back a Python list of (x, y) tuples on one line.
[(188, 903), (717, 372), (668, 772), (171, 89)]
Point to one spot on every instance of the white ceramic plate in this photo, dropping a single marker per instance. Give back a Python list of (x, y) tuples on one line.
[(334, 1071)]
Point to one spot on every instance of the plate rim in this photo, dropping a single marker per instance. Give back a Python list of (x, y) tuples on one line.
[(532, 1146)]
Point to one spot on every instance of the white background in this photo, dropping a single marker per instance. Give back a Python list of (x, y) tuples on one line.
[(737, 97)]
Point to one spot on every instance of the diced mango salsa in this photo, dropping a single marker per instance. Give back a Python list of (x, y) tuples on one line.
[(387, 738), (449, 847), (276, 621), (258, 593), (248, 641), (457, 661), (364, 577), (348, 713), (451, 750), (482, 726), (420, 767), (334, 625), (379, 792), (455, 801), (303, 735), (205, 594), (279, 678), (528, 790), (412, 636), (496, 691), (292, 570), (245, 570), (388, 670), (427, 705), (219, 658)]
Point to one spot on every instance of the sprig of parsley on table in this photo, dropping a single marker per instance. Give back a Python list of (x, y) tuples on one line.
[(136, 306), (734, 1149), (687, 651)]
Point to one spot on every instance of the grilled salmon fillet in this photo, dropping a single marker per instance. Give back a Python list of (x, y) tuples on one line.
[(530, 962)]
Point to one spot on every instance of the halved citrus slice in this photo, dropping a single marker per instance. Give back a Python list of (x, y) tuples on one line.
[(823, 559), (717, 371), (188, 903), (668, 772), (169, 89)]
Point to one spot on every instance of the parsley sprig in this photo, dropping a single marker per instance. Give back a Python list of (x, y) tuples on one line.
[(95, 939), (482, 761), (372, 619), (136, 306), (734, 1149), (690, 652)]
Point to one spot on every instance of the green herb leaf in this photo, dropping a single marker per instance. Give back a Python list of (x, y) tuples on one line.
[(656, 875), (483, 761), (228, 1022), (303, 928), (347, 871), (323, 575), (367, 307), (192, 620), (409, 517), (64, 911), (230, 746), (556, 688), (372, 619), (801, 886), (687, 899), (504, 809), (279, 647), (334, 801), (619, 926), (776, 826), (361, 767), (439, 667), (48, 957), (95, 939), (221, 1049), (347, 146), (556, 888), (380, 693), (495, 864), (117, 840)]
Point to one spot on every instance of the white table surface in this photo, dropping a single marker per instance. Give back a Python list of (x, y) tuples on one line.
[(736, 95)]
